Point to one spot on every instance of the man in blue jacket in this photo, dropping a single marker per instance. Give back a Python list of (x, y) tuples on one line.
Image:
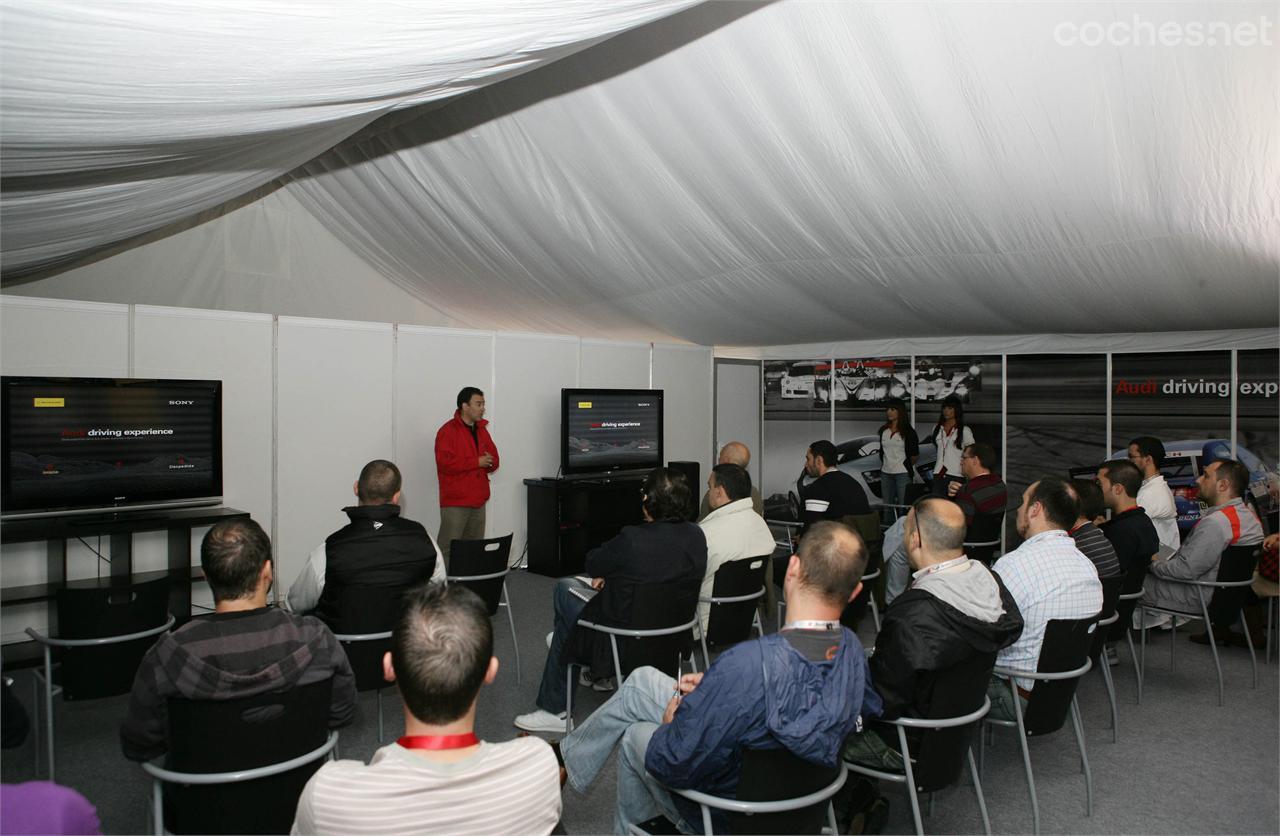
[(804, 688)]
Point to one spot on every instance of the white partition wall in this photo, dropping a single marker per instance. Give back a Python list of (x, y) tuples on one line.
[(613, 365), (432, 366), (529, 372), (334, 391), (738, 408), (684, 373)]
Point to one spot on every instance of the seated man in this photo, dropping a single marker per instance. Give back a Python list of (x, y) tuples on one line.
[(803, 688), (1090, 540), (244, 649), (735, 452), (377, 548), (1228, 522), (1147, 454), (1131, 534), (982, 492), (665, 548), (439, 777), (833, 494), (733, 529), (956, 612), (1048, 578)]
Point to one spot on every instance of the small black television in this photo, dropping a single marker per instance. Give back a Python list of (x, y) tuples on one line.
[(606, 430), (109, 444)]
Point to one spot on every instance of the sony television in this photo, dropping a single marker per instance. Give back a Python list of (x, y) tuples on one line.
[(84, 445), (608, 430)]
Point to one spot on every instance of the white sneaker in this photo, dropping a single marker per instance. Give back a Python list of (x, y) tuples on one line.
[(549, 635), (541, 721), (604, 684)]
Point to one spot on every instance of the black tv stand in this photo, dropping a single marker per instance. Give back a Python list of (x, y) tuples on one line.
[(570, 516)]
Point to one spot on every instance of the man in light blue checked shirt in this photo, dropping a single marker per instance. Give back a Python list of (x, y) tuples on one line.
[(1047, 576)]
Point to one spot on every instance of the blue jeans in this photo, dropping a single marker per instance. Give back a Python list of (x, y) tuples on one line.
[(893, 491), (897, 569), (553, 695), (628, 719)]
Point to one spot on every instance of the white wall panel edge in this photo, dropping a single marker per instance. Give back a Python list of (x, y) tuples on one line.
[(684, 347), (619, 343), (62, 304), (529, 335), (442, 331), (202, 313), (336, 324)]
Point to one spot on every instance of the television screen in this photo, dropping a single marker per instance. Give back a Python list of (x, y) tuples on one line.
[(610, 429), (100, 443)]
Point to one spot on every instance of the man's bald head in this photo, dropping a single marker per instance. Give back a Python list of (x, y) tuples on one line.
[(735, 452), (934, 531)]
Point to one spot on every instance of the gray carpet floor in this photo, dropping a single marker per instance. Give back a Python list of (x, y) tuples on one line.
[(1182, 765)]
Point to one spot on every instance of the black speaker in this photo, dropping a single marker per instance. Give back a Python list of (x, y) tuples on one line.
[(692, 472)]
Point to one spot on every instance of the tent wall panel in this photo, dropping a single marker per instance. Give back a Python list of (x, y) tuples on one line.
[(334, 395), (614, 365), (738, 409), (432, 366), (530, 371), (684, 373)]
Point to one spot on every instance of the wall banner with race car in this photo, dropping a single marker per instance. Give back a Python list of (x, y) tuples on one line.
[(1055, 412)]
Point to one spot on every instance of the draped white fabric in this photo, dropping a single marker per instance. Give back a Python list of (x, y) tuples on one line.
[(740, 174), (123, 117)]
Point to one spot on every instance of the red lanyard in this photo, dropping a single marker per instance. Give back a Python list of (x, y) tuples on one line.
[(438, 741)]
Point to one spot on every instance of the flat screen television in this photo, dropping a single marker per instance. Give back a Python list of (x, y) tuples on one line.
[(605, 430), (93, 444)]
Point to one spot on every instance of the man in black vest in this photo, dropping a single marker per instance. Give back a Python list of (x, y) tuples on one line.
[(377, 549)]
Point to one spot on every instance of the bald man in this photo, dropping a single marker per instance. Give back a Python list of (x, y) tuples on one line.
[(735, 452)]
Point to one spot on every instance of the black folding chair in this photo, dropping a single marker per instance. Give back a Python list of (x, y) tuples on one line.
[(1230, 591), (1064, 659), (104, 631), (365, 620), (778, 792), (982, 540), (482, 566), (868, 527), (738, 586), (239, 766)]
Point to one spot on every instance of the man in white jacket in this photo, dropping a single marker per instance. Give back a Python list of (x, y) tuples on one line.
[(1147, 452), (733, 529)]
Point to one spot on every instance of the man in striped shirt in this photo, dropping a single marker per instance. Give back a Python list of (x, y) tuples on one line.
[(983, 491), (439, 777), (1090, 540)]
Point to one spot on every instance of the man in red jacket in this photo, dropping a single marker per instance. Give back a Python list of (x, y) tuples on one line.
[(465, 456)]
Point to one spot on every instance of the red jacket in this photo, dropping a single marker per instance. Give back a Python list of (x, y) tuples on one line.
[(463, 483)]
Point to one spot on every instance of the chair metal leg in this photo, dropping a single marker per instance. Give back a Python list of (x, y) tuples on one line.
[(702, 638), (831, 818), (1142, 678), (1213, 646), (1248, 642), (511, 620), (1111, 695), (381, 736), (1137, 669), (568, 701), (759, 627), (977, 788), (157, 808), (983, 730), (928, 807), (1026, 757), (911, 781), (48, 708), (875, 609), (1084, 758), (35, 707), (1173, 640)]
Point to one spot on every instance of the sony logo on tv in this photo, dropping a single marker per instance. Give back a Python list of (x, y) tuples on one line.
[(181, 403)]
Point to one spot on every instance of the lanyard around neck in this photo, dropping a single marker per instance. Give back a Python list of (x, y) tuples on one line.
[(438, 741), (811, 624)]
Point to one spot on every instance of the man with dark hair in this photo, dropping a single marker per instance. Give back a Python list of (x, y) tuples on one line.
[(1147, 454), (983, 491), (243, 649), (1131, 534), (803, 688), (956, 612), (1228, 522), (735, 452), (833, 494), (665, 549), (465, 456), (733, 529), (378, 548), (1047, 576), (1090, 540), (439, 776)]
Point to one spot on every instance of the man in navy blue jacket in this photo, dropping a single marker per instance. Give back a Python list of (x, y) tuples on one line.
[(804, 688)]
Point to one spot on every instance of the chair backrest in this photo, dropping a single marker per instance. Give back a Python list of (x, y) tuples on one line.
[(940, 754), (776, 775), (985, 528), (1110, 598), (481, 557), (1236, 564), (731, 623), (1066, 647), (95, 613), (655, 606), (239, 734), (365, 610)]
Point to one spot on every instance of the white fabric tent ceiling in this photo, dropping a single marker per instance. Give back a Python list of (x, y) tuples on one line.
[(733, 173)]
